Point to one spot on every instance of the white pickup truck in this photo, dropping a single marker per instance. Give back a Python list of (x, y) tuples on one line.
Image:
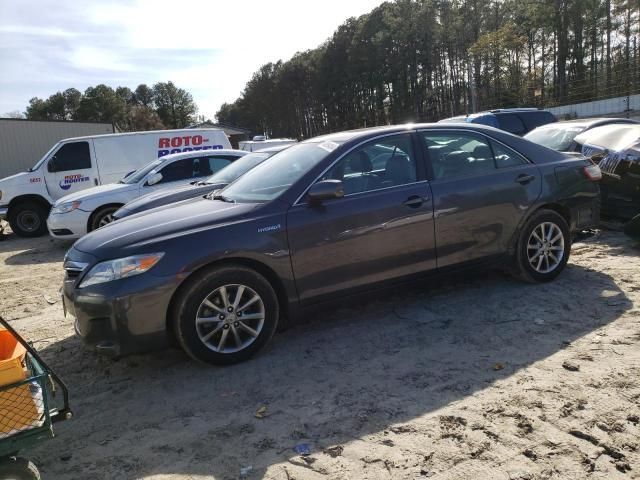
[(76, 164)]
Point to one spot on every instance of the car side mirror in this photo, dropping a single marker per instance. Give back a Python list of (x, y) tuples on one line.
[(325, 190), (154, 178), (51, 165)]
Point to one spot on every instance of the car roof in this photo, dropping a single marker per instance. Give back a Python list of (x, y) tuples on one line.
[(349, 135), (199, 153), (590, 122)]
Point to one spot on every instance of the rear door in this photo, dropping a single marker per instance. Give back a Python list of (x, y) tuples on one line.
[(381, 229), (481, 191), (71, 168)]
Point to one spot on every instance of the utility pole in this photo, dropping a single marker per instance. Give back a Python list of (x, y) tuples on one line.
[(472, 88)]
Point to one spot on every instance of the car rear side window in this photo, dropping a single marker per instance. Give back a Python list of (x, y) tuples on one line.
[(72, 156), (382, 163), (506, 157), (510, 122), (458, 154), (217, 163)]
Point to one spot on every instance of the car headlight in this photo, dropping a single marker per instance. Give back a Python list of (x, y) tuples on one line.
[(66, 207), (120, 268)]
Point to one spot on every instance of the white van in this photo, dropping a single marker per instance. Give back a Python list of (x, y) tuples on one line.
[(75, 164), (260, 142)]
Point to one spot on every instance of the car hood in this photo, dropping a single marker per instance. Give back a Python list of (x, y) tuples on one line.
[(99, 191), (610, 137), (131, 235), (167, 196)]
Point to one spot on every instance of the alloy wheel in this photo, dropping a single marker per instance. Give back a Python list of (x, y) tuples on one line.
[(545, 248), (106, 219), (230, 318)]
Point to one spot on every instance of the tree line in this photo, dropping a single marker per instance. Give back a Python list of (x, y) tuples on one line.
[(146, 108), (423, 60)]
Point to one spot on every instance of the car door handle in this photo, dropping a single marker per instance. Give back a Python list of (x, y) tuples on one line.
[(414, 201), (523, 179)]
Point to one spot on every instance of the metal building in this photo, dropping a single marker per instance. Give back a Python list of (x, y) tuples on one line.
[(24, 142)]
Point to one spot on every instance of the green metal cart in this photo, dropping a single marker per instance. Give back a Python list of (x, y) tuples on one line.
[(33, 398)]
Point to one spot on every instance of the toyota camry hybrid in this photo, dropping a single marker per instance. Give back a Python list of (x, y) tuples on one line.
[(324, 218)]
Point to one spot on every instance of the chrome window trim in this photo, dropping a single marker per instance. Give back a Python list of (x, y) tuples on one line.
[(394, 134)]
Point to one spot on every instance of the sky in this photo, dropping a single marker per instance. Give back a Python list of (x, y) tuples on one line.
[(209, 48)]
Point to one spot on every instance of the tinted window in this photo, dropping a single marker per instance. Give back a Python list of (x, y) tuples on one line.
[(178, 170), (511, 122), (506, 157), (457, 154), (72, 156), (535, 119), (216, 164), (379, 164)]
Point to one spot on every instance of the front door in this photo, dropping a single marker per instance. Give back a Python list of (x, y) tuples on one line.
[(71, 169), (481, 191), (381, 229)]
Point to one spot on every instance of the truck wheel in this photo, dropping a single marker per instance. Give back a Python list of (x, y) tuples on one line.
[(102, 217), (16, 468), (28, 219), (226, 315)]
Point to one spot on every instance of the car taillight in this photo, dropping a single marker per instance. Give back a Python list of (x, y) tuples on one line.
[(593, 172)]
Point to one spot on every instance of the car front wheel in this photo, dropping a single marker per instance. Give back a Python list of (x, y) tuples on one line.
[(544, 247), (102, 217), (225, 315)]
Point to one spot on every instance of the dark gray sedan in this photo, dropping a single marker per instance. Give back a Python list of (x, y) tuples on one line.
[(219, 180), (320, 220)]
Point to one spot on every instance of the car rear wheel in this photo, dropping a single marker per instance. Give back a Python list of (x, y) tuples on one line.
[(102, 217), (28, 219), (226, 315), (544, 247)]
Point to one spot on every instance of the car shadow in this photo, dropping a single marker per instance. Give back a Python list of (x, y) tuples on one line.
[(341, 375), (38, 250)]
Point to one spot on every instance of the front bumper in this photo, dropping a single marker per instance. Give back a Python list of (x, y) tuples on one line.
[(68, 225), (123, 316)]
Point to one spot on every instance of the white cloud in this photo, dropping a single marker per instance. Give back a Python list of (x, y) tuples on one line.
[(210, 48)]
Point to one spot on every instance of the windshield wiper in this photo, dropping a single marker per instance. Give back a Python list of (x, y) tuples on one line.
[(224, 198)]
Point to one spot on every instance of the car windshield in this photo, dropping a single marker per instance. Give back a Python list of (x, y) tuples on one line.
[(239, 167), (139, 174), (557, 137), (272, 177)]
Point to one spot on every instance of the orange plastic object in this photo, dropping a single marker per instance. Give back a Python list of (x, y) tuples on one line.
[(12, 355)]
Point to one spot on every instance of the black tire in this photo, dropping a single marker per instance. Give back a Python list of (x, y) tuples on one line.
[(204, 286), (17, 468), (100, 215), (28, 219), (523, 267)]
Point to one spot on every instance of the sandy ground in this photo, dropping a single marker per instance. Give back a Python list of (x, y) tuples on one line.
[(478, 377)]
